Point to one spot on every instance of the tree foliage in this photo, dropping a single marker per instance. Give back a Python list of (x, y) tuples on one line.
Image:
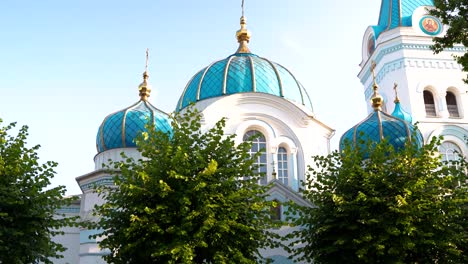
[(186, 200), (453, 13), (394, 207), (27, 203)]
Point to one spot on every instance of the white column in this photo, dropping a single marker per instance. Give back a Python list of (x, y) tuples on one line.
[(294, 181)]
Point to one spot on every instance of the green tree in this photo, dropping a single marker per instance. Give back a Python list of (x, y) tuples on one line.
[(186, 200), (394, 207), (27, 203), (453, 13)]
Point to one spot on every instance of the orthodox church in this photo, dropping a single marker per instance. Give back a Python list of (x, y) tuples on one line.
[(262, 97)]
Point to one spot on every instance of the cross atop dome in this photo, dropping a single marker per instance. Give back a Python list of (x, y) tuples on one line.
[(243, 35), (144, 88)]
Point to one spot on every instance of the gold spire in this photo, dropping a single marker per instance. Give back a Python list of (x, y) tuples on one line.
[(395, 86), (243, 35), (377, 99), (144, 88)]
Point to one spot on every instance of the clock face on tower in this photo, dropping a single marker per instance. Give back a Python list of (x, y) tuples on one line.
[(430, 25)]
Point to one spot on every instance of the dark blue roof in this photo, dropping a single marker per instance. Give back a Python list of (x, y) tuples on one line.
[(396, 13), (242, 73), (119, 130), (379, 125)]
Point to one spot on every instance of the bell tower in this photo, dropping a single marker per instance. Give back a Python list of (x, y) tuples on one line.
[(430, 85)]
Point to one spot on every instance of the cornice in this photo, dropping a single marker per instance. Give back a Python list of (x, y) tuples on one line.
[(409, 62), (365, 73), (107, 180)]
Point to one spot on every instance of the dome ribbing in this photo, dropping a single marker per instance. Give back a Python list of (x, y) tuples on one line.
[(243, 73)]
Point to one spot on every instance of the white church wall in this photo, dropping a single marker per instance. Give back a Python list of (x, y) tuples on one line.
[(71, 237), (281, 121), (101, 160)]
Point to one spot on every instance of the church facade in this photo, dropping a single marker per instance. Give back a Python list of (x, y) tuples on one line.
[(259, 96)]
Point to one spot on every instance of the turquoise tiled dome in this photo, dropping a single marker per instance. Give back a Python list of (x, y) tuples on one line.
[(398, 112), (119, 130), (379, 125), (242, 73), (396, 13)]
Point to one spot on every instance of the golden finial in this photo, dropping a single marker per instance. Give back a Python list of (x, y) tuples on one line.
[(144, 88), (273, 174), (243, 35), (395, 86), (377, 99)]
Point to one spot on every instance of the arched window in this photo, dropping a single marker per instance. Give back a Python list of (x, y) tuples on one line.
[(275, 211), (258, 145), (429, 103), (449, 151), (283, 165), (452, 106)]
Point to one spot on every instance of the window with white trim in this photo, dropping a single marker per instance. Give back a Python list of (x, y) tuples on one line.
[(449, 151), (452, 106), (275, 211), (258, 141), (283, 173), (429, 104)]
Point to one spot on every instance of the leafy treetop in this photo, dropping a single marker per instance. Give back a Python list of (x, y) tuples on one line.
[(453, 13), (394, 207), (188, 200), (27, 203)]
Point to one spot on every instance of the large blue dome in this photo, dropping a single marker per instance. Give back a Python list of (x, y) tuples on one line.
[(243, 73), (379, 125)]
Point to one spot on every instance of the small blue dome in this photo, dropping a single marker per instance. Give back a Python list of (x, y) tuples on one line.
[(119, 130), (378, 126), (242, 73), (398, 112)]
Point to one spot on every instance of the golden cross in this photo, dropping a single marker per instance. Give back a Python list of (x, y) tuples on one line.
[(242, 5), (372, 68), (147, 59), (395, 85)]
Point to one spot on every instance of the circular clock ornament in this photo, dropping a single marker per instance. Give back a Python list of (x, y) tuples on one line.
[(430, 25)]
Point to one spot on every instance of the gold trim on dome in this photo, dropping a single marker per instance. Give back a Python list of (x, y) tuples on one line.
[(185, 90), (252, 69), (379, 118), (278, 77), (226, 71), (202, 78)]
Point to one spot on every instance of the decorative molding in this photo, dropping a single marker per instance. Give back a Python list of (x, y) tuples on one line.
[(106, 180), (68, 210), (401, 46), (422, 63)]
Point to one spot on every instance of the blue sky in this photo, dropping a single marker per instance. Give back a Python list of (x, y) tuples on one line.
[(65, 65)]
